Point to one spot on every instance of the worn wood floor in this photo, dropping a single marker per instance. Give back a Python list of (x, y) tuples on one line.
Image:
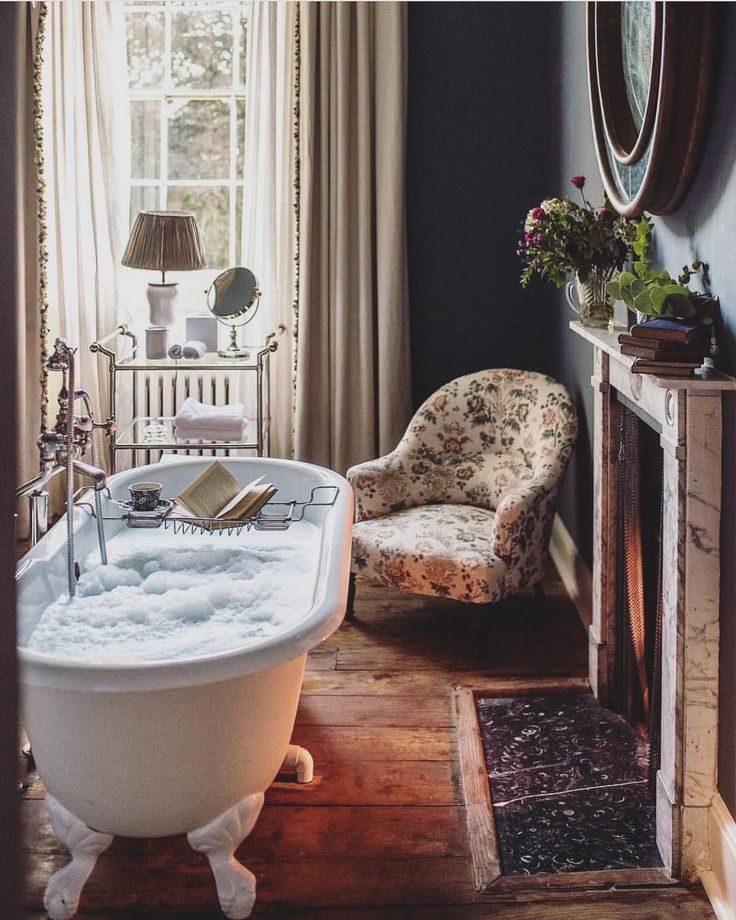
[(381, 834)]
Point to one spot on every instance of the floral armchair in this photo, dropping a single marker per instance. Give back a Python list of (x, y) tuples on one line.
[(463, 506)]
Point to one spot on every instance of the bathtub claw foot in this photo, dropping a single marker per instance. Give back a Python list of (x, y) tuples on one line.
[(64, 888), (218, 840), (298, 760)]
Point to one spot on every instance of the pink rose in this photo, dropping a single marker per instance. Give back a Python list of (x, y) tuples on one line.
[(578, 181), (538, 213)]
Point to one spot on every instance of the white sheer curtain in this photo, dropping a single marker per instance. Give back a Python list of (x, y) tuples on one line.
[(269, 244), (353, 377), (87, 152)]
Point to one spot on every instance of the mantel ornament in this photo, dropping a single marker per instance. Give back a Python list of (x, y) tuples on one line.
[(651, 68)]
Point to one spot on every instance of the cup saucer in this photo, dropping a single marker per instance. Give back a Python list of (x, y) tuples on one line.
[(164, 506)]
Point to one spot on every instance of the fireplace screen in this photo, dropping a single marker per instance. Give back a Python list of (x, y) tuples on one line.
[(637, 682)]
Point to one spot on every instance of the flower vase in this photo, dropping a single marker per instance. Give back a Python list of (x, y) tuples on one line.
[(590, 299)]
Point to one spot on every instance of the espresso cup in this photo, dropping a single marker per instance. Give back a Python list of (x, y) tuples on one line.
[(145, 496)]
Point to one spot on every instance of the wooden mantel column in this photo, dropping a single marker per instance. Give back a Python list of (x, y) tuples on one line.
[(687, 414)]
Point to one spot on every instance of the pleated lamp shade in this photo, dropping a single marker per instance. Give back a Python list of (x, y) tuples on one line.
[(165, 241)]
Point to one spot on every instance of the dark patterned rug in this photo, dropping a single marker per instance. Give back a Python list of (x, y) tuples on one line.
[(568, 782)]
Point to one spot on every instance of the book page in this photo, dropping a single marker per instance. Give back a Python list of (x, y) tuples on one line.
[(250, 504), (239, 497)]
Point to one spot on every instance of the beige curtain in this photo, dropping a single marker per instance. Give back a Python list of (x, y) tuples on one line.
[(87, 152), (353, 376), (269, 217), (31, 246)]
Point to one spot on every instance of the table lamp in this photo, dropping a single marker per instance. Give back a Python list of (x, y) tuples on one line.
[(164, 241)]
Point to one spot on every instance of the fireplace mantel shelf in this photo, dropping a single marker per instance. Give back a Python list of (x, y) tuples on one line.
[(608, 342)]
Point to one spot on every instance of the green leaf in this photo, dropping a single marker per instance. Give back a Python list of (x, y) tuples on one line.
[(636, 287), (625, 280), (643, 301), (640, 268), (672, 290), (640, 247), (614, 290), (658, 296)]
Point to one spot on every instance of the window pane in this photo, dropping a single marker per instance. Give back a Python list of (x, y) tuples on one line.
[(240, 138), (243, 31), (145, 136), (145, 32), (211, 205), (199, 136), (143, 198), (238, 223), (202, 48)]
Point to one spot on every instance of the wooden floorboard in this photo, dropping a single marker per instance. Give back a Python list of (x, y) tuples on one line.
[(382, 832)]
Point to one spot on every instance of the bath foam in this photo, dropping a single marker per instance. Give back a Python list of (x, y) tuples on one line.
[(164, 596)]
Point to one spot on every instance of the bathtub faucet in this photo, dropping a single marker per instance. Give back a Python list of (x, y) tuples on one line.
[(57, 452), (61, 448)]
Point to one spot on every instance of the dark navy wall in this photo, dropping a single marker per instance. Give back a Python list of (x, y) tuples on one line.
[(481, 152)]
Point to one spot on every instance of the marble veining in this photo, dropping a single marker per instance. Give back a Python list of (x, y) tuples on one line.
[(568, 783)]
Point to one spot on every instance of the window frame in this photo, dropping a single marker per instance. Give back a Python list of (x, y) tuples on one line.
[(167, 91)]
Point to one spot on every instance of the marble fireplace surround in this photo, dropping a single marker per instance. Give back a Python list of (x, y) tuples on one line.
[(687, 414)]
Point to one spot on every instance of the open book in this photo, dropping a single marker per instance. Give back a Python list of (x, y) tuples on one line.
[(216, 493)]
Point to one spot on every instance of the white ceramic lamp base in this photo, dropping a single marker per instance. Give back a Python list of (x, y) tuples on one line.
[(162, 300)]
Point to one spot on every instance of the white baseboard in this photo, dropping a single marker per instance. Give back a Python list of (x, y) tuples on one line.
[(573, 571), (720, 882)]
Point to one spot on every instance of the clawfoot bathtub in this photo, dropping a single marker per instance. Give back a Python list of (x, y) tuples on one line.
[(174, 746)]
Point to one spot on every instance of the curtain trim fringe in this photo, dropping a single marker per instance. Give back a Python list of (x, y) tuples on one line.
[(43, 251)]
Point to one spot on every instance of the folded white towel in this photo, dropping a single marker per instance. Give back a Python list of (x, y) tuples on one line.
[(193, 349), (175, 351), (216, 423)]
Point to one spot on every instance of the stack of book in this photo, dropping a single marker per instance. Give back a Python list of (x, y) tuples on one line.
[(666, 347)]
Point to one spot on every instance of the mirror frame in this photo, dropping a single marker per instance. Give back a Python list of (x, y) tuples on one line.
[(239, 317), (652, 169)]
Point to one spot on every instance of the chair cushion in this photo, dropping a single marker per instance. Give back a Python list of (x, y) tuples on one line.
[(443, 550)]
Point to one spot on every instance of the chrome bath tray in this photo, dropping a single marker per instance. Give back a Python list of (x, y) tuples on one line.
[(275, 515)]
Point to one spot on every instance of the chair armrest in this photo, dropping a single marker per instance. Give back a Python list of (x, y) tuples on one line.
[(522, 529), (380, 486)]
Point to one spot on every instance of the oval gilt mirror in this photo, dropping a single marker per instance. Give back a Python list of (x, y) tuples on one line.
[(650, 77)]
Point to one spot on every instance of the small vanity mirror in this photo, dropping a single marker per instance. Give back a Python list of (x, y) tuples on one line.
[(233, 298)]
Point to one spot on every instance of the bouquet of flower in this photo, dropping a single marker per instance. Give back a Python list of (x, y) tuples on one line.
[(560, 236)]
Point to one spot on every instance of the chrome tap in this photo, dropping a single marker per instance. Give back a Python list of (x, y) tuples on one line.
[(61, 448)]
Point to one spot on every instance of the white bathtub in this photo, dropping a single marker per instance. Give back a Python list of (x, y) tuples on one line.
[(164, 747)]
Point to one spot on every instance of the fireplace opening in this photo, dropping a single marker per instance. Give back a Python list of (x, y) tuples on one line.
[(637, 674)]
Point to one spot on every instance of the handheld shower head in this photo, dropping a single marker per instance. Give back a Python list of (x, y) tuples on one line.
[(58, 360)]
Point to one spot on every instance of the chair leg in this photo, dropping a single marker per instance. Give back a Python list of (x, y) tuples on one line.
[(539, 598), (350, 606)]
